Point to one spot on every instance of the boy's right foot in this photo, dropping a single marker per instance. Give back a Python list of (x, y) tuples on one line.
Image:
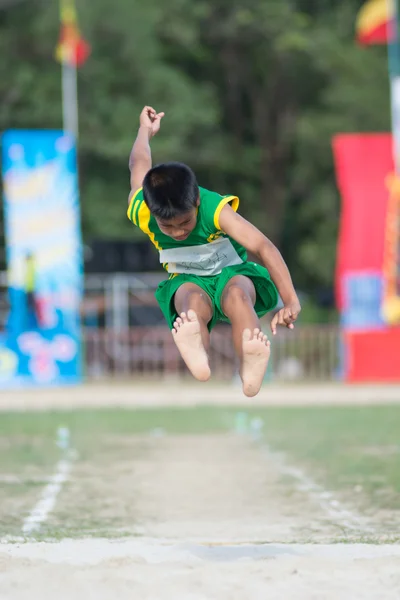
[(187, 336), (256, 352)]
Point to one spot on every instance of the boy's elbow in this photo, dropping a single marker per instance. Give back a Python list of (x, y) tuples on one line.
[(263, 246)]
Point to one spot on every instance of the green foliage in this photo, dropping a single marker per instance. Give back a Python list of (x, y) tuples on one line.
[(252, 93)]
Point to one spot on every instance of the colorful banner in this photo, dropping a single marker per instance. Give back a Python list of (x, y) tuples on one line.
[(368, 259), (373, 21), (363, 163), (42, 342)]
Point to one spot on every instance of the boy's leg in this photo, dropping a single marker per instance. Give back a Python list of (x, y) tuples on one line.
[(190, 330), (251, 345)]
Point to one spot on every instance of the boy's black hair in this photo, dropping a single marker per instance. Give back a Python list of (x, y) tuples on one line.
[(170, 189)]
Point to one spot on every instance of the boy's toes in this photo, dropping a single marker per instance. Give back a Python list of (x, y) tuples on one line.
[(176, 325)]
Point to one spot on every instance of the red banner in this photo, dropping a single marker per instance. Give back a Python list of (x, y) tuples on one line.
[(373, 356), (363, 163), (367, 256)]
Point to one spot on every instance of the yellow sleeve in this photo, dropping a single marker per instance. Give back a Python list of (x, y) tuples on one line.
[(233, 200), (134, 206)]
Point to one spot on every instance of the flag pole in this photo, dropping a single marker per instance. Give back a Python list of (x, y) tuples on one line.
[(70, 99), (69, 78)]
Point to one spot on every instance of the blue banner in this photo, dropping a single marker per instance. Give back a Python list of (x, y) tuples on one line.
[(42, 341)]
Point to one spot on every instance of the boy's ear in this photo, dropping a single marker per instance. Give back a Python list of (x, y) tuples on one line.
[(198, 200)]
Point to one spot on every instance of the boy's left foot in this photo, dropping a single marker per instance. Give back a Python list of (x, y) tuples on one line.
[(256, 352)]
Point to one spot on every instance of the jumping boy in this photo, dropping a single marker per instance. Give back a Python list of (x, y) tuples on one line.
[(202, 243)]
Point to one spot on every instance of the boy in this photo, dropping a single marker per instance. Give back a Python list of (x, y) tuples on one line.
[(202, 243)]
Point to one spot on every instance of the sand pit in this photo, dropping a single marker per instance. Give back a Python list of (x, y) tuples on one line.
[(155, 570), (205, 514), (212, 516)]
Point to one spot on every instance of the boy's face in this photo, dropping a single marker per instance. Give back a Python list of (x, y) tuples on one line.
[(181, 226)]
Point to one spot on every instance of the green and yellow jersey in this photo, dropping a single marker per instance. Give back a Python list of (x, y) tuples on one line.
[(206, 251)]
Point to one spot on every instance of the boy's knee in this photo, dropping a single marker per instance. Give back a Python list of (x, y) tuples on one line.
[(188, 297), (185, 293), (235, 295)]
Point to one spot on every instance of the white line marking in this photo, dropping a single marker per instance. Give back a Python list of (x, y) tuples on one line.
[(43, 508), (336, 511)]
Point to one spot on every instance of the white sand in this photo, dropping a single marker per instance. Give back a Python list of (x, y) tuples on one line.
[(151, 570), (209, 512), (177, 393)]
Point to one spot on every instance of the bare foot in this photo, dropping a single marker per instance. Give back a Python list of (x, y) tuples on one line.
[(256, 351), (187, 337)]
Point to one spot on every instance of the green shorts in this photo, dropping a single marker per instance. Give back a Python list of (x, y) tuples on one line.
[(214, 285)]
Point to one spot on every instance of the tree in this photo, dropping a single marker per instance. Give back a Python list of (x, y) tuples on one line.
[(253, 94)]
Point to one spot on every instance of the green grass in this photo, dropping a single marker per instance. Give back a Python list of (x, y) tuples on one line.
[(125, 421), (344, 446), (354, 452), (30, 438)]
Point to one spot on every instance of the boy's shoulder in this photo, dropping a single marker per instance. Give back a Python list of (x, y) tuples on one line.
[(207, 194), (211, 205), (135, 202)]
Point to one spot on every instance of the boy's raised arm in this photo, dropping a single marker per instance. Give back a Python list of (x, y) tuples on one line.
[(256, 242), (140, 157)]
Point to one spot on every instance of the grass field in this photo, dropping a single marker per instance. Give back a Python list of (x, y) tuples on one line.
[(206, 476), (353, 451)]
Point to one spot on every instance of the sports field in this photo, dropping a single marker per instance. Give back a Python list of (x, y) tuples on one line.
[(201, 502)]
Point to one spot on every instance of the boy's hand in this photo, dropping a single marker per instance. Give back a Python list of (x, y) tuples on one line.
[(151, 120), (286, 316)]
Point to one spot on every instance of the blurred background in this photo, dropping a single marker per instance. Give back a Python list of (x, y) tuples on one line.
[(253, 93)]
